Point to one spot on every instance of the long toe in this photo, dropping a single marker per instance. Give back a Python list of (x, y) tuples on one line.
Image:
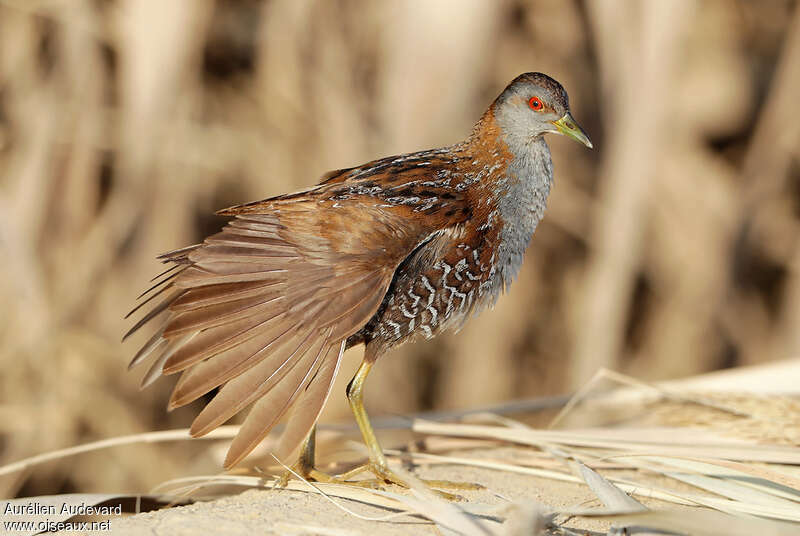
[(385, 474), (304, 473), (450, 484)]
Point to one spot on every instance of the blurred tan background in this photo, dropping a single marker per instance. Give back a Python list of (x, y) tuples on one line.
[(669, 250)]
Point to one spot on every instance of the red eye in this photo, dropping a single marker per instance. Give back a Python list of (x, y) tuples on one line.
[(536, 104)]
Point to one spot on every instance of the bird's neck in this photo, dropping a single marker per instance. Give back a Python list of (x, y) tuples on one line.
[(522, 203), (523, 183), (520, 189)]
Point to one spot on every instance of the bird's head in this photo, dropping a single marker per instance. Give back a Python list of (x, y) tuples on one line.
[(534, 104)]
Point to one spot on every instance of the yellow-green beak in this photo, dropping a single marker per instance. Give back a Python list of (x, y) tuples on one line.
[(568, 127)]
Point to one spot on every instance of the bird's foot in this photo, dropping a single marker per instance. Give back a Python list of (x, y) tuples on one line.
[(309, 473), (384, 475), (303, 472)]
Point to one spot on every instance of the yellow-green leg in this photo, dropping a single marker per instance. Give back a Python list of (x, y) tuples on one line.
[(377, 460), (377, 464), (305, 463), (306, 469)]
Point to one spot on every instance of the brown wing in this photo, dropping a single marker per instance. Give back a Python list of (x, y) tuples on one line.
[(262, 309)]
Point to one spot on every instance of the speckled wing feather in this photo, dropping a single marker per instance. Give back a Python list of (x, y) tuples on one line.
[(262, 309)]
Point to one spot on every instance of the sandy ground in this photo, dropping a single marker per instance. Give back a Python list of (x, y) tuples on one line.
[(268, 511), (281, 511), (296, 512)]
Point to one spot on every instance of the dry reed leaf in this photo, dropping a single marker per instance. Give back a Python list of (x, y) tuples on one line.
[(705, 523), (229, 431), (637, 393), (759, 478), (223, 432), (448, 517), (642, 490), (743, 498), (672, 441), (609, 494), (767, 419), (201, 488), (776, 378), (716, 503), (757, 472), (432, 507)]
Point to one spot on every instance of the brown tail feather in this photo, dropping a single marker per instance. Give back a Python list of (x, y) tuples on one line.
[(268, 410), (252, 385), (223, 313), (178, 255), (156, 369), (149, 347), (213, 341), (194, 277), (206, 375), (196, 298), (160, 275), (154, 312), (169, 277), (308, 408)]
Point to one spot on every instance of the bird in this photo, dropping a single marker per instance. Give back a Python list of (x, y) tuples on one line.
[(396, 249)]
